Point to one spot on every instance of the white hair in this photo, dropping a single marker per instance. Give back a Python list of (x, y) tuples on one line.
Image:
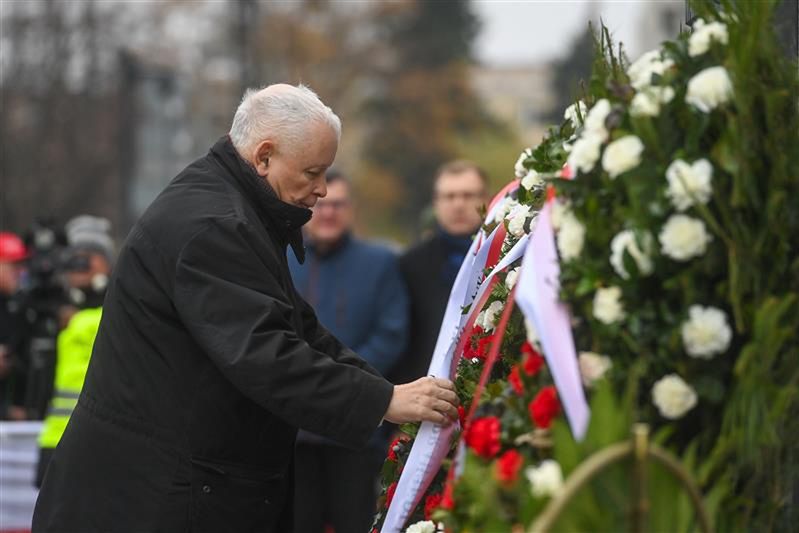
[(282, 112)]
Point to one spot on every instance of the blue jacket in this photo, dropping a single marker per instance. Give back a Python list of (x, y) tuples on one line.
[(359, 296)]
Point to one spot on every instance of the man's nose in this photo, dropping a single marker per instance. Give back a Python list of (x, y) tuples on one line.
[(321, 189)]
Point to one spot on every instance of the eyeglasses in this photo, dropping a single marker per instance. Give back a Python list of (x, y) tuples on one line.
[(335, 205), (468, 196)]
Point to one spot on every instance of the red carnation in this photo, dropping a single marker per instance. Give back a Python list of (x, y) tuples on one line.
[(390, 493), (432, 503), (507, 467), (532, 361), (516, 380), (483, 436), (544, 407), (483, 345), (392, 454), (462, 416)]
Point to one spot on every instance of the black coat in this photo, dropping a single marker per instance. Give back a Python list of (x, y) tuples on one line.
[(206, 363), (429, 273)]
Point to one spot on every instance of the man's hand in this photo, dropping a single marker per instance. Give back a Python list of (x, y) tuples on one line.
[(426, 399)]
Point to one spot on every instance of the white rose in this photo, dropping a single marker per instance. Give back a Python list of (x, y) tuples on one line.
[(516, 220), (683, 238), (706, 333), (689, 183), (518, 168), (487, 319), (546, 479), (646, 66), (531, 179), (673, 397), (625, 241), (704, 34), (512, 278), (571, 113), (426, 526), (644, 104), (595, 120), (560, 208), (585, 153), (571, 237), (507, 205), (622, 155), (647, 102), (608, 307), (709, 89), (593, 367)]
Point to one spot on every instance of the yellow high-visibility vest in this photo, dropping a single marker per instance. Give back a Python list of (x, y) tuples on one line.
[(74, 349)]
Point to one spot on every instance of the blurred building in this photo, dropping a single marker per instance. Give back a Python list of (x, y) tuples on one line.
[(519, 95)]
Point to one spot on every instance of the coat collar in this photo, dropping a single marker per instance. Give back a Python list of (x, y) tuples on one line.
[(285, 219)]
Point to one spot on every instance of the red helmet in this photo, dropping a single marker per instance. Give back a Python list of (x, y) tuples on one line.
[(12, 249)]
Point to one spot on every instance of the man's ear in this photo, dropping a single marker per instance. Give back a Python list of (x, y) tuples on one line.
[(261, 157)]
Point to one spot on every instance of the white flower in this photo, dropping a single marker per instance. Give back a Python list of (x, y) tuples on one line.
[(647, 102), (512, 278), (487, 319), (622, 155), (673, 397), (584, 153), (546, 479), (706, 333), (519, 169), (646, 66), (608, 307), (689, 183), (426, 526), (571, 237), (709, 89), (683, 238), (571, 113), (505, 207), (704, 34), (560, 208), (593, 366), (625, 241), (531, 179), (516, 219), (595, 120)]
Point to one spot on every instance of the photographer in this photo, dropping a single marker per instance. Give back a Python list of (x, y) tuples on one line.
[(90, 253), (12, 255)]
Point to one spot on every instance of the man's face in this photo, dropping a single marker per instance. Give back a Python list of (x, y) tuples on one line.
[(456, 200), (333, 216), (297, 173)]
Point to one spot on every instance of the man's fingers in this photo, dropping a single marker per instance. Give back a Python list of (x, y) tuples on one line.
[(449, 397), (445, 384), (447, 409)]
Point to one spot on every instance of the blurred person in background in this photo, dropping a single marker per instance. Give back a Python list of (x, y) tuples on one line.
[(91, 246), (429, 268), (356, 289), (12, 381)]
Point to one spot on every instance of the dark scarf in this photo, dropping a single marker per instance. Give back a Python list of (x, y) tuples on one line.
[(286, 219)]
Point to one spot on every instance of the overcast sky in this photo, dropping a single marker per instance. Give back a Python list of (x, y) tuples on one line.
[(532, 31)]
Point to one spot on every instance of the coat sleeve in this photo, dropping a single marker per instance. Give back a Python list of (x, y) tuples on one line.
[(388, 335), (233, 304)]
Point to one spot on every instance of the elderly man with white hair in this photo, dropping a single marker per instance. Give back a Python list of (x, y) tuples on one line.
[(207, 360)]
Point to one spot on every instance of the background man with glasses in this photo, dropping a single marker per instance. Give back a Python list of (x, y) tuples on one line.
[(357, 292), (429, 268)]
